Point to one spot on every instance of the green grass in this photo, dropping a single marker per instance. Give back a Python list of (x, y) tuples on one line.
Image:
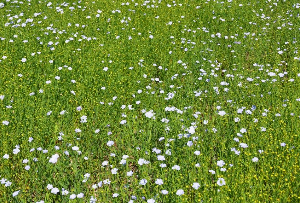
[(184, 61)]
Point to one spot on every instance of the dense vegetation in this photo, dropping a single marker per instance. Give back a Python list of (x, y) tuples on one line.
[(149, 101)]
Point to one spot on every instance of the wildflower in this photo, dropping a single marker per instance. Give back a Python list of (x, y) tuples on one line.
[(115, 195), (143, 182), (189, 143), (93, 199), (176, 167), (80, 195), (83, 119), (243, 145), (191, 130), (163, 165), (222, 113), (196, 186), (123, 122), (179, 192), (27, 167), (49, 186), (15, 193), (160, 158), (64, 192), (54, 158), (110, 143), (114, 171), (72, 196), (243, 130), (149, 114), (150, 201), (164, 192), (5, 122), (16, 151), (75, 148), (255, 159), (197, 153), (159, 181), (130, 173), (106, 181), (221, 182), (54, 190), (220, 163)]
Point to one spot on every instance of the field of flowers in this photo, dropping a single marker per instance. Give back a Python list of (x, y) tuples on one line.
[(149, 101)]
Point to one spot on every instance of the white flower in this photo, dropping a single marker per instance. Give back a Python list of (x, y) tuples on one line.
[(243, 145), (16, 192), (159, 181), (80, 195), (16, 151), (223, 169), (114, 171), (222, 113), (197, 153), (191, 130), (83, 119), (143, 182), (6, 156), (179, 192), (221, 182), (77, 130), (189, 143), (64, 192), (5, 122), (123, 161), (24, 60), (104, 163), (75, 148), (54, 190), (243, 130), (130, 173), (49, 186), (176, 167), (160, 158), (123, 122), (110, 143), (237, 119), (220, 163), (255, 159), (115, 195), (150, 201), (106, 181), (164, 192), (54, 158), (72, 196), (282, 144), (196, 186), (27, 167), (149, 114), (1, 5)]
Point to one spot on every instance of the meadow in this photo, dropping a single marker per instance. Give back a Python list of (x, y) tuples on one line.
[(149, 101)]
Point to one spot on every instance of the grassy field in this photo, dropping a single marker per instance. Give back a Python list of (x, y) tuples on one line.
[(149, 101)]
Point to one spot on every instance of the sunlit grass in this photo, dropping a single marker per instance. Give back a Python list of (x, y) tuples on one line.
[(149, 101)]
